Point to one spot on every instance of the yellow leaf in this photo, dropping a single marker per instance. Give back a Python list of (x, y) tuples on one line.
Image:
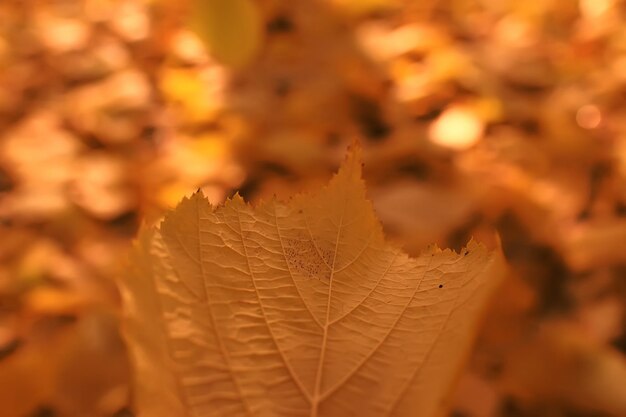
[(299, 309), (231, 29), (191, 93)]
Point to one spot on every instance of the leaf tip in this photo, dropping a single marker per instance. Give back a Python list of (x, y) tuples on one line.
[(352, 165), (189, 204), (237, 198)]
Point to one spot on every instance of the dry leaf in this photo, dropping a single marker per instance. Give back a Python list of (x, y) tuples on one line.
[(298, 309)]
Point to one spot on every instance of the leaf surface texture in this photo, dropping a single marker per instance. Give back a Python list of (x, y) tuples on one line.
[(298, 309)]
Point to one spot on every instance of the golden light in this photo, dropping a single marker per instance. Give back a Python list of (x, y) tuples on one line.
[(458, 128), (593, 9)]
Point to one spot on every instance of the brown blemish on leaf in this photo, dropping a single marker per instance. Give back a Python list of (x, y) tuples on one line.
[(307, 259)]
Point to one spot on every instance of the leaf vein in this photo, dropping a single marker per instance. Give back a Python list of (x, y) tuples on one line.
[(294, 376)]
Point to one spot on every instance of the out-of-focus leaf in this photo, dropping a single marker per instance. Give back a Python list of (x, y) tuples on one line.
[(558, 363), (231, 29), (196, 96), (590, 245)]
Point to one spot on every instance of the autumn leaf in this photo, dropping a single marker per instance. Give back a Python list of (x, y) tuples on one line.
[(298, 309), (231, 29)]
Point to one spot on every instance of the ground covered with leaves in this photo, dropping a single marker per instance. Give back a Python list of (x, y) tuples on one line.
[(498, 120)]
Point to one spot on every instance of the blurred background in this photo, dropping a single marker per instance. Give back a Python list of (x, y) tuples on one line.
[(477, 117)]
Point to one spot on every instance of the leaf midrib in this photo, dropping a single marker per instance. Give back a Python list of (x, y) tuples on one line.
[(318, 376)]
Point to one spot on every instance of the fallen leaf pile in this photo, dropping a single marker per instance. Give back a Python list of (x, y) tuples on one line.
[(477, 118), (298, 309)]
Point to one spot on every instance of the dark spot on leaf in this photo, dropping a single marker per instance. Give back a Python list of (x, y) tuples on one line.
[(310, 261)]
